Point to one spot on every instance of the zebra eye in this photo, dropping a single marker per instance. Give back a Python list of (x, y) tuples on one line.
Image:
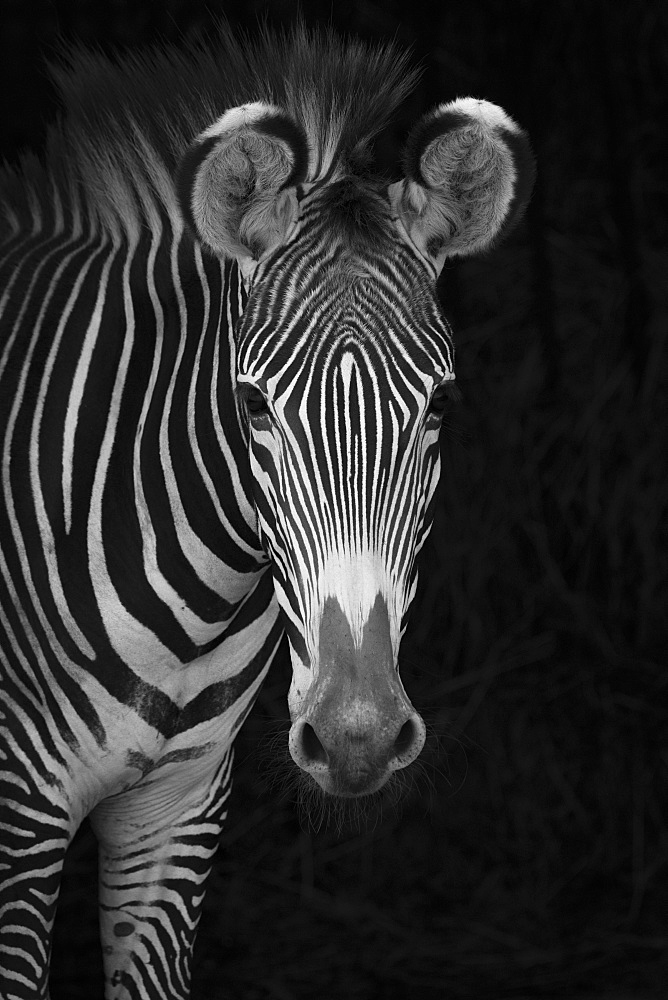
[(439, 401), (444, 397), (255, 401)]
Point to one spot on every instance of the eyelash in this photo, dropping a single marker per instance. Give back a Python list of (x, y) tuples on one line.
[(252, 399), (443, 396)]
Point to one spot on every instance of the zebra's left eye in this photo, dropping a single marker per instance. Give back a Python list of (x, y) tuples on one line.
[(442, 399), (439, 401)]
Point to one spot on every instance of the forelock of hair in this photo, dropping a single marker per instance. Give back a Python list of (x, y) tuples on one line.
[(355, 211), (126, 123)]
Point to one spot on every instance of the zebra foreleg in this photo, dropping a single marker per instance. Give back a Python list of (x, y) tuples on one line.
[(156, 841), (36, 828)]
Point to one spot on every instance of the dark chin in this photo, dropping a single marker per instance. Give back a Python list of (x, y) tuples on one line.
[(347, 787), (349, 813)]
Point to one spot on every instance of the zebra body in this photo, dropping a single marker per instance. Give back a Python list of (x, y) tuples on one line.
[(222, 369)]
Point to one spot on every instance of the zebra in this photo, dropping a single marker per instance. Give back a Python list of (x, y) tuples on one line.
[(223, 370)]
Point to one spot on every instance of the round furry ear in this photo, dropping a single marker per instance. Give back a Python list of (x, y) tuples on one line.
[(237, 182), (469, 175)]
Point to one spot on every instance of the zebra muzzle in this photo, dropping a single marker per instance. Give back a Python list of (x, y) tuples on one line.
[(355, 756)]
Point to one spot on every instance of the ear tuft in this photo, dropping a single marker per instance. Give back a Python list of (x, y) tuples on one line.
[(469, 174), (237, 182)]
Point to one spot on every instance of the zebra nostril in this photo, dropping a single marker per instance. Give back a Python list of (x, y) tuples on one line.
[(408, 743), (405, 738), (313, 749)]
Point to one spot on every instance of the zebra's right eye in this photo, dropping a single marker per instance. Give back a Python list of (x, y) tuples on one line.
[(255, 401)]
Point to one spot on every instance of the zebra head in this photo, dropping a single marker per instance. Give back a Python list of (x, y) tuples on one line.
[(344, 369)]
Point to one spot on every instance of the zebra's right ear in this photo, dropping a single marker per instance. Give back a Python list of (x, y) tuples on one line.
[(237, 182)]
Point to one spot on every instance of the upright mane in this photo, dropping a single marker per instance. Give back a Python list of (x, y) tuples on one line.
[(126, 123)]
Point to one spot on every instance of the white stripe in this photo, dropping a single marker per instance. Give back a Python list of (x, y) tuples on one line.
[(225, 522), (8, 446), (195, 628), (44, 526), (136, 645), (79, 383)]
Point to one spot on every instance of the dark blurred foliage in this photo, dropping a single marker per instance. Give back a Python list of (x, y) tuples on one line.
[(531, 859)]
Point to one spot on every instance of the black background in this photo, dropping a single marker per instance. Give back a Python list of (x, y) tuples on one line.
[(529, 860)]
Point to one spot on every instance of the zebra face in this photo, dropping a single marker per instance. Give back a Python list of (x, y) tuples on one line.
[(344, 367)]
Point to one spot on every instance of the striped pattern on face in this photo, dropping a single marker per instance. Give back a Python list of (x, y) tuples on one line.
[(344, 338)]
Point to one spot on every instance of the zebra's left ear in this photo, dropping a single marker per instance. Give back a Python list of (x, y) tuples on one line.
[(469, 174), (237, 182)]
